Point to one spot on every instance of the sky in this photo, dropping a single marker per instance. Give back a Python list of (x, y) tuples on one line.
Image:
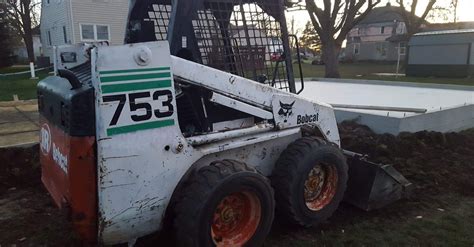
[(465, 12)]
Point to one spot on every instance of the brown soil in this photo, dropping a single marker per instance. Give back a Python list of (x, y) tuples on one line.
[(28, 216), (438, 164), (20, 168), (434, 162)]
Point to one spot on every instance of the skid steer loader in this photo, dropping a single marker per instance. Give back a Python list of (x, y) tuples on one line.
[(196, 121)]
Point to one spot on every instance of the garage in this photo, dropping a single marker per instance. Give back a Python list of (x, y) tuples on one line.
[(441, 54)]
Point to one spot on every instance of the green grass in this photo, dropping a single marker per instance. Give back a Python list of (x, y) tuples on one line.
[(21, 85), (365, 71), (451, 224), (7, 70), (25, 88)]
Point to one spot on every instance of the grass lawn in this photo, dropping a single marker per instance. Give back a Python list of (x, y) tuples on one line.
[(365, 71), (438, 224), (21, 85), (25, 88), (15, 69)]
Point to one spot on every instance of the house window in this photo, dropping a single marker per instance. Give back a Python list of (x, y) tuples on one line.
[(87, 32), (49, 38), (92, 32), (65, 35), (382, 30), (356, 48), (102, 32)]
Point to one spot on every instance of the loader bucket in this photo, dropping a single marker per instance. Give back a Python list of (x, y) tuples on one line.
[(372, 186)]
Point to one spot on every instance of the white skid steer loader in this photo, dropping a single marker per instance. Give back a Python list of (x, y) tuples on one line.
[(196, 120)]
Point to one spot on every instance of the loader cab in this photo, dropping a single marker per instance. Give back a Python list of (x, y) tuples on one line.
[(243, 37)]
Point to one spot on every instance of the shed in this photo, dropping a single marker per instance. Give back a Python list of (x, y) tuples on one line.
[(441, 53)]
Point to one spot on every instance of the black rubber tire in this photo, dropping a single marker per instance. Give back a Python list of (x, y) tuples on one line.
[(206, 188), (289, 175)]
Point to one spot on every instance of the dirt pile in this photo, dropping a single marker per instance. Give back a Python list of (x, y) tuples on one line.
[(19, 168), (434, 162)]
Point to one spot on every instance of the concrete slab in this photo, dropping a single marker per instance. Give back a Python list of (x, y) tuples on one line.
[(19, 139), (7, 109), (387, 94), (27, 108), (449, 108), (18, 123), (10, 116), (17, 127)]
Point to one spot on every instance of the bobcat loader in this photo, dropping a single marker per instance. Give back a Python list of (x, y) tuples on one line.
[(196, 121)]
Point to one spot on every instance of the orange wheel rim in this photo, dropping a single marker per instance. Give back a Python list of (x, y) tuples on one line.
[(320, 186), (236, 219)]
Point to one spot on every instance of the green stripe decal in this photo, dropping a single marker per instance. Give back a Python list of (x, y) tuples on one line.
[(135, 77), (125, 87), (133, 70), (142, 126)]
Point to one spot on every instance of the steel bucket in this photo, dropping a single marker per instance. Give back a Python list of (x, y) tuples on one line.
[(372, 186)]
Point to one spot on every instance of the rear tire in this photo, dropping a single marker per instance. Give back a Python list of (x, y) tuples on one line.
[(309, 179), (224, 204)]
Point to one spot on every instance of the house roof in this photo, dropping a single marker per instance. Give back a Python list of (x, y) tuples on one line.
[(449, 26), (387, 13), (456, 31), (445, 37)]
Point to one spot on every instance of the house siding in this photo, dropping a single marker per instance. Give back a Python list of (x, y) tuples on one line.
[(55, 16), (104, 12), (373, 43)]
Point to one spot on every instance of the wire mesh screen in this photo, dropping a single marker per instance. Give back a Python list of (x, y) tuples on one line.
[(238, 36), (160, 14)]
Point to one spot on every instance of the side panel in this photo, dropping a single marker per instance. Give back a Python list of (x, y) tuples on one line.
[(262, 155), (141, 152), (69, 174), (290, 111)]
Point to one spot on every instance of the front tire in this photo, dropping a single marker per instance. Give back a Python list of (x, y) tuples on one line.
[(309, 179), (224, 204)]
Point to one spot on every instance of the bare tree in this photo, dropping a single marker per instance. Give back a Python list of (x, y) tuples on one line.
[(22, 15), (332, 20), (310, 39), (454, 6), (7, 41), (413, 23)]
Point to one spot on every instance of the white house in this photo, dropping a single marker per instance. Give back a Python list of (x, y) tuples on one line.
[(79, 21)]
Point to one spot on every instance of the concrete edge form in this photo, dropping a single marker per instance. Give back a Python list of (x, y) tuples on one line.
[(448, 120), (378, 124), (393, 83)]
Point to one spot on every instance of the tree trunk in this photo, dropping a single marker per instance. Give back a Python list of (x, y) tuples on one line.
[(331, 58), (28, 39), (27, 32)]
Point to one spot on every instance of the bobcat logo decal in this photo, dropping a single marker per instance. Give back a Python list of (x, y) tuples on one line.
[(286, 110)]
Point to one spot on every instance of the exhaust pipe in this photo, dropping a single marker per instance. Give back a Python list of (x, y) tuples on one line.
[(71, 77)]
